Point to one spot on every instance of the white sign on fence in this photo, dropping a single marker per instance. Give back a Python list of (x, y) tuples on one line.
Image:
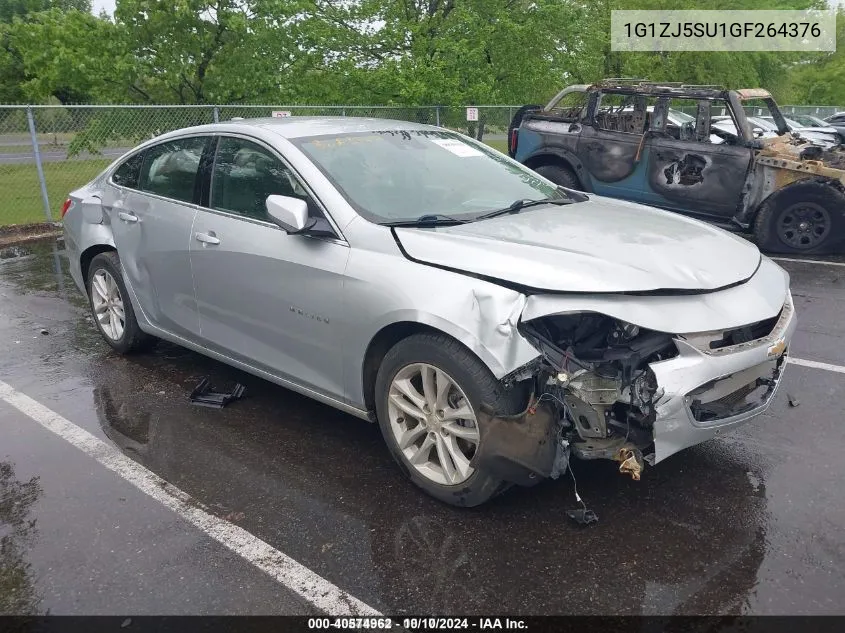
[(281, 113), (472, 114)]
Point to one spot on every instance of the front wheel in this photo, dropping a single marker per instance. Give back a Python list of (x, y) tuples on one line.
[(428, 390)]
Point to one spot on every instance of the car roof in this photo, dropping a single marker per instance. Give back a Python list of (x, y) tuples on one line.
[(298, 127)]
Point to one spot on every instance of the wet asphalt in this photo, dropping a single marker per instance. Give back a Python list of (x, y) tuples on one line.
[(752, 522)]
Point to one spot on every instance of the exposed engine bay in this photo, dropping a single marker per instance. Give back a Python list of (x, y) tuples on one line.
[(594, 379), (594, 393)]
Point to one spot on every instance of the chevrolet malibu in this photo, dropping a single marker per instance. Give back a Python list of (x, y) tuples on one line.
[(493, 324)]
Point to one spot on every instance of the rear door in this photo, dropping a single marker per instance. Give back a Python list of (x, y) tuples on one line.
[(151, 220), (266, 298), (612, 144)]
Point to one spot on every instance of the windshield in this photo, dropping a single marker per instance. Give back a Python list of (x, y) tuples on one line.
[(403, 175)]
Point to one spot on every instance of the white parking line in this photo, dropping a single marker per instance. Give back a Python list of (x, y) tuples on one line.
[(839, 369), (808, 261), (297, 578)]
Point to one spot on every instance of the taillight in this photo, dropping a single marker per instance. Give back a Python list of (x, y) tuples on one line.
[(65, 207), (514, 140)]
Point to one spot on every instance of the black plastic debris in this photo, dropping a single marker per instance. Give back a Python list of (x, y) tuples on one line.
[(44, 331), (582, 516), (205, 396), (793, 401)]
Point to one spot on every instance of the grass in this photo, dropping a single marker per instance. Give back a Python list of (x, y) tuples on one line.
[(501, 146), (20, 193)]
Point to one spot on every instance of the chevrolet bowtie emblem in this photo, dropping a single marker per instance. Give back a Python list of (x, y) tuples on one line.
[(777, 349)]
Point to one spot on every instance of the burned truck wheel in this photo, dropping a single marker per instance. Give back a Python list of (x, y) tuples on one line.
[(804, 218), (560, 175), (429, 390)]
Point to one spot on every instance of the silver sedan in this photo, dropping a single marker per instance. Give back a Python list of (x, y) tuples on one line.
[(494, 325)]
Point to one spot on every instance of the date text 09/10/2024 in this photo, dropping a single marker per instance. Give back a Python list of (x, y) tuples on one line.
[(417, 624)]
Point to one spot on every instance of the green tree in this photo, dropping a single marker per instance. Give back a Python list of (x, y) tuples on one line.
[(10, 9), (820, 80)]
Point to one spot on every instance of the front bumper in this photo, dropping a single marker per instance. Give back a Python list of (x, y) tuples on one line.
[(720, 377)]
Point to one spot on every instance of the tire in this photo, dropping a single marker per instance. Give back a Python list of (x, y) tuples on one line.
[(105, 268), (814, 204), (516, 121), (560, 175), (471, 377)]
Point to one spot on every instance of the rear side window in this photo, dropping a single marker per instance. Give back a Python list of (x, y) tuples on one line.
[(170, 169), (128, 174), (245, 174)]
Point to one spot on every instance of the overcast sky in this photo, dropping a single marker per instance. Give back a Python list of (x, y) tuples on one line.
[(98, 5), (108, 5)]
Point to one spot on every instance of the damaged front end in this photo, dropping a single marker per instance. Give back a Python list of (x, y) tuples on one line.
[(604, 388), (593, 397)]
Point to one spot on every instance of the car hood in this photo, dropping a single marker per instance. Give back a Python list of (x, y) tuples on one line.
[(601, 245)]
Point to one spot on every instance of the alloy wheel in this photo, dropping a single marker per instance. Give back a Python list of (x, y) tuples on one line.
[(433, 423), (108, 304)]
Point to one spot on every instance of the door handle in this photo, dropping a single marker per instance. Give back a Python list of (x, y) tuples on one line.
[(207, 238), (127, 217)]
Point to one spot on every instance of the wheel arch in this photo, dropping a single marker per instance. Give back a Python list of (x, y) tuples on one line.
[(88, 255), (392, 333), (809, 181), (558, 156)]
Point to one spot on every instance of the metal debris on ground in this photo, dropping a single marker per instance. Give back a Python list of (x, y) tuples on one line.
[(793, 401), (204, 395)]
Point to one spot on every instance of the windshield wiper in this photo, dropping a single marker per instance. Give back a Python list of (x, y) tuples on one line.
[(518, 205), (435, 219)]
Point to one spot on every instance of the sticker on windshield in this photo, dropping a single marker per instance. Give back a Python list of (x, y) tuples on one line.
[(457, 147)]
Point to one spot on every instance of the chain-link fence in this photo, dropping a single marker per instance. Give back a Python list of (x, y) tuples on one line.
[(47, 151)]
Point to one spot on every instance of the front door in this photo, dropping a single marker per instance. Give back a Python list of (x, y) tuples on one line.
[(698, 177), (266, 298), (151, 220), (694, 171)]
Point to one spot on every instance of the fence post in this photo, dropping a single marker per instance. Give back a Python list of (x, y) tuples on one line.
[(437, 115), (44, 198), (215, 113)]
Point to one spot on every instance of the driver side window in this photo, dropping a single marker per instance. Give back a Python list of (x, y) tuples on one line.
[(244, 174)]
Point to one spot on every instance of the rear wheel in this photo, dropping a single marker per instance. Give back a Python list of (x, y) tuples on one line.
[(802, 219), (560, 175), (111, 308), (428, 391)]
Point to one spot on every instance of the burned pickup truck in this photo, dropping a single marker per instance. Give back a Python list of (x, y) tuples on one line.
[(690, 149)]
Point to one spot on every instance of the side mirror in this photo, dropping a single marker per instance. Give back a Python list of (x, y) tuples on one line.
[(289, 213), (758, 132)]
